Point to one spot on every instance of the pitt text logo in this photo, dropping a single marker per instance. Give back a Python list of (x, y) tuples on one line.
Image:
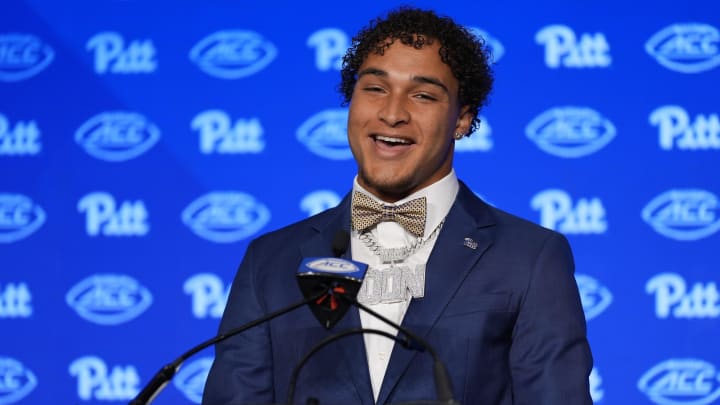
[(479, 141), (673, 298), (319, 201), (225, 216), (497, 50), (15, 301), (97, 381), (111, 54), (558, 212), (219, 135), (21, 139), (233, 54), (103, 216), (22, 56), (330, 45), (109, 299), (191, 378), (570, 132), (595, 297), (686, 48), (209, 295), (16, 381), (117, 136), (325, 134), (596, 391), (563, 49), (19, 217), (684, 214), (681, 382), (677, 131)]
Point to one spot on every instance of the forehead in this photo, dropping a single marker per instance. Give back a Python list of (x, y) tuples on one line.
[(405, 61)]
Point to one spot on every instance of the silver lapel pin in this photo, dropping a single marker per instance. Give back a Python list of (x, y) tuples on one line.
[(470, 243)]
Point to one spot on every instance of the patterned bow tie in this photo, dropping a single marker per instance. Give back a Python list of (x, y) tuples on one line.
[(367, 213)]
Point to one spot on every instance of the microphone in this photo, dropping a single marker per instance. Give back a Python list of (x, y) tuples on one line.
[(337, 282), (329, 276), (340, 243)]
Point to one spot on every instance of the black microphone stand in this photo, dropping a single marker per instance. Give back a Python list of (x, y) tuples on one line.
[(163, 377), (354, 331)]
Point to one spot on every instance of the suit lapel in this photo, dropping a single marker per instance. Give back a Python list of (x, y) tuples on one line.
[(352, 348), (449, 264)]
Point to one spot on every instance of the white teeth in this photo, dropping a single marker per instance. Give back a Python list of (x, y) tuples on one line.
[(391, 140)]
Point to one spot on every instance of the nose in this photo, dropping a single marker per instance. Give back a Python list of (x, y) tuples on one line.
[(394, 112)]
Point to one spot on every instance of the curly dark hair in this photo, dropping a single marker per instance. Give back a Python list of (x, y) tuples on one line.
[(467, 55)]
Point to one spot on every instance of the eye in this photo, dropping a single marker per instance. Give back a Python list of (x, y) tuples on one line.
[(425, 96), (377, 89)]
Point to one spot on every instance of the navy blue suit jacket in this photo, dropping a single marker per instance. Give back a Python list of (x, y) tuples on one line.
[(504, 316)]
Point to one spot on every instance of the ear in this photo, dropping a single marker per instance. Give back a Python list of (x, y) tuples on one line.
[(464, 121)]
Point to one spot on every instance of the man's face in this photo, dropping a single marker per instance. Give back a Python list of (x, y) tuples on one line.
[(403, 115)]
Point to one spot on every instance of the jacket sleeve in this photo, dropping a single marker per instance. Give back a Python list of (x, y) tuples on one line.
[(242, 371), (550, 356)]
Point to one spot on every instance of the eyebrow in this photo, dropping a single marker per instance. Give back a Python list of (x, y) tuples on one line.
[(419, 79)]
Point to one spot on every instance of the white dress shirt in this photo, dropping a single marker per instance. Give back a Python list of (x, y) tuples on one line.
[(439, 196)]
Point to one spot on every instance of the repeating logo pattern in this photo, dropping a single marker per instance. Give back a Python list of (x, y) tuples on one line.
[(684, 214), (23, 56), (109, 299), (117, 136), (16, 382), (233, 54), (570, 132), (686, 47), (226, 216), (96, 122)]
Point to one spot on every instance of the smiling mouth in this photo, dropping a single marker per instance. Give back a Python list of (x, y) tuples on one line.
[(391, 141)]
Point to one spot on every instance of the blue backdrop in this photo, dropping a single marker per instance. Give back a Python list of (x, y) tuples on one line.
[(144, 144)]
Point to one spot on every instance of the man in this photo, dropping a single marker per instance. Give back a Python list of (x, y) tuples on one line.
[(494, 294)]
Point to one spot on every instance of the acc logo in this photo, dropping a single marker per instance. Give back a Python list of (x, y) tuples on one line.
[(233, 54), (681, 382), (570, 132), (225, 216), (96, 381), (23, 56), (325, 134), (479, 141), (16, 381), (497, 50), (23, 139), (562, 48), (672, 295), (330, 45), (594, 296), (676, 130), (19, 217), (111, 55), (117, 136), (686, 48), (557, 213), (218, 135), (109, 299), (684, 214), (319, 201), (333, 265), (209, 295), (191, 378)]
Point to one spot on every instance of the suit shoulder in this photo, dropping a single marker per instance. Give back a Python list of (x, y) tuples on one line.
[(299, 231), (517, 228)]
